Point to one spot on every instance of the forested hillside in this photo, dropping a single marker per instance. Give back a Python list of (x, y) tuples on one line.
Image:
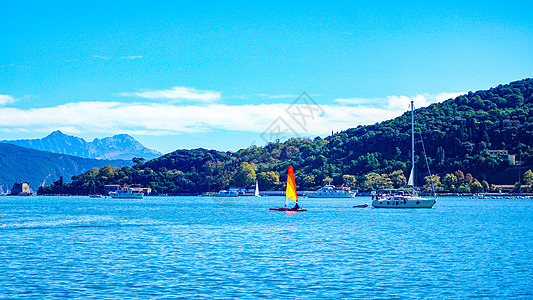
[(459, 136)]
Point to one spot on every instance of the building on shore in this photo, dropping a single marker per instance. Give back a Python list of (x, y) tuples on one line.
[(108, 188), (21, 189)]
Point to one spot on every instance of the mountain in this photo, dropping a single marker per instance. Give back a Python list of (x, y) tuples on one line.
[(42, 168), (120, 146), (472, 142)]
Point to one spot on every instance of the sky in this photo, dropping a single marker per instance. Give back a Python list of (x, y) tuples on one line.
[(227, 75)]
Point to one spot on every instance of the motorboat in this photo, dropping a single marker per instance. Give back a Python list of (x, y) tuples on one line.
[(331, 191), (127, 193)]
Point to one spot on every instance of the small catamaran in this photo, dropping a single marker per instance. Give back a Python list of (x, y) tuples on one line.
[(290, 193)]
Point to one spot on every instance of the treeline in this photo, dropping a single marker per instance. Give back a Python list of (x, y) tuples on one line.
[(457, 135)]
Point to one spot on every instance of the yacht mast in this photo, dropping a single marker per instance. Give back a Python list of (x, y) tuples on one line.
[(413, 144)]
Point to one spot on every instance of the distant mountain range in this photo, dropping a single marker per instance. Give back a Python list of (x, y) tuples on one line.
[(121, 146), (43, 168)]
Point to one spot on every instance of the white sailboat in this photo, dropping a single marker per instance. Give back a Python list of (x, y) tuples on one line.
[(401, 199), (257, 189)]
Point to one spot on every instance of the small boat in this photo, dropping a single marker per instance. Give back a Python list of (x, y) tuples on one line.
[(287, 209), (404, 199), (361, 205), (290, 193), (127, 193), (331, 191), (256, 193), (225, 193), (92, 192)]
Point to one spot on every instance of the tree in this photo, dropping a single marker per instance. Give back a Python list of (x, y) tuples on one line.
[(518, 186), (460, 177), (463, 189), (469, 179), (486, 186), (476, 186), (245, 175), (398, 179), (436, 182), (372, 180), (268, 180), (349, 181), (93, 172), (320, 162), (107, 171), (450, 182), (137, 160), (528, 179), (309, 181), (376, 181)]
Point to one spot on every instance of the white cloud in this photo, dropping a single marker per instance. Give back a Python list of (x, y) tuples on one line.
[(445, 96), (360, 101), (176, 93), (267, 96), (131, 57), (171, 119), (6, 99), (168, 119), (282, 96), (397, 103), (102, 57)]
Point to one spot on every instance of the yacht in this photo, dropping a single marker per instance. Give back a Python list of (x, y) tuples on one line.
[(405, 199), (127, 193), (402, 200), (331, 191), (225, 193)]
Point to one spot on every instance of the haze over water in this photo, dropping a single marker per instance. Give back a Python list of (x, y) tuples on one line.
[(79, 247)]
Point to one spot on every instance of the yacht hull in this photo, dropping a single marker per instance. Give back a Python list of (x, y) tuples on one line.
[(417, 203), (330, 195)]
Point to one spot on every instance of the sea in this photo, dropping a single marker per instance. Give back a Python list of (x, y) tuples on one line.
[(227, 248)]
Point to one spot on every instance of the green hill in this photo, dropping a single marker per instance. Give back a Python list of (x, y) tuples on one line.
[(459, 136), (42, 168)]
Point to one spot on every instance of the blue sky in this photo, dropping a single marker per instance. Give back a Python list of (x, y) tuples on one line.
[(220, 75)]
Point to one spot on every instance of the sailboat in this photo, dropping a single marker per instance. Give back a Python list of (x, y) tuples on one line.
[(92, 192), (290, 193), (402, 199), (257, 189)]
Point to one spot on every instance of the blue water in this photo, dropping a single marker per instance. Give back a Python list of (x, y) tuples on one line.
[(201, 247)]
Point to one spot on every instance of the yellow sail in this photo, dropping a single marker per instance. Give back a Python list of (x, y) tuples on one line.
[(291, 187)]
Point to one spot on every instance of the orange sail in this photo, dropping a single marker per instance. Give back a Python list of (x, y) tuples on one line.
[(291, 187)]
